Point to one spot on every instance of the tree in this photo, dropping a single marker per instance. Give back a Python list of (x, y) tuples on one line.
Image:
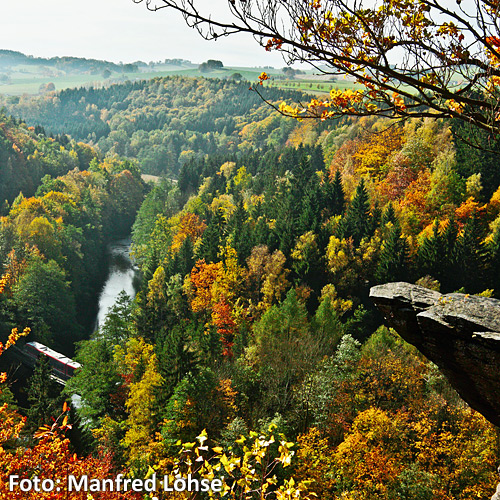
[(471, 256), (212, 236), (286, 350), (410, 57), (44, 395), (43, 298), (431, 257), (141, 402), (393, 264), (358, 221), (334, 195), (97, 382)]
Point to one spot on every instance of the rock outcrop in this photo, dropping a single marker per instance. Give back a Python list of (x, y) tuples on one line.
[(459, 333)]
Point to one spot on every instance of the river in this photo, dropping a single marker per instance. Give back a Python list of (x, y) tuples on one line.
[(122, 276)]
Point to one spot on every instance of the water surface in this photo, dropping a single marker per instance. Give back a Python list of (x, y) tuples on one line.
[(121, 277)]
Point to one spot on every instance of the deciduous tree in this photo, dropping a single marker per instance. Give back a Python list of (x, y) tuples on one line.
[(412, 59)]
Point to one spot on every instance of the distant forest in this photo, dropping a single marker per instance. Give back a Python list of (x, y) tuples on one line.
[(164, 122), (10, 58)]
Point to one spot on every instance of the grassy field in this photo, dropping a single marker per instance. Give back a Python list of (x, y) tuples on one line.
[(26, 79), (314, 86)]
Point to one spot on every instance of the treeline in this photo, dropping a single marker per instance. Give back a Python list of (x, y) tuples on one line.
[(9, 58), (52, 241), (255, 311), (26, 155), (164, 122)]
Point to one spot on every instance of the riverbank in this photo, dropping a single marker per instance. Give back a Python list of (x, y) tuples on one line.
[(123, 275)]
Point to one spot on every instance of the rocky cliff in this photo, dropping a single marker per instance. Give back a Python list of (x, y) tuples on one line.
[(459, 333)]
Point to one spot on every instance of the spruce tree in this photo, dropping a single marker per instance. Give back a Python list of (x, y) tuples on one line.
[(212, 238), (334, 196), (447, 268), (44, 395), (241, 234), (317, 159), (357, 221), (431, 255), (389, 215), (393, 264), (175, 358), (470, 257), (310, 215), (183, 261), (493, 256)]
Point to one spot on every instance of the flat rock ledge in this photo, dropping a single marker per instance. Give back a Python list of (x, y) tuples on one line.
[(459, 333)]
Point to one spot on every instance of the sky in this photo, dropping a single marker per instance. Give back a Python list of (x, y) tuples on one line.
[(117, 30)]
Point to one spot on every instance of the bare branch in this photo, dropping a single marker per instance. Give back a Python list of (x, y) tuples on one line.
[(414, 57)]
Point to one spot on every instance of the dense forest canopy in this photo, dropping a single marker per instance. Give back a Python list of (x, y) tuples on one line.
[(252, 326), (54, 231), (162, 122)]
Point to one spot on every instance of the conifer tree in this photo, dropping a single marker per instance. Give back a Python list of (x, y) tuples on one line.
[(286, 215), (431, 254), (175, 359), (493, 256), (310, 216), (212, 238), (393, 264), (183, 261), (470, 257), (389, 215), (241, 235), (317, 159), (44, 395), (334, 196), (261, 233), (357, 221), (304, 172)]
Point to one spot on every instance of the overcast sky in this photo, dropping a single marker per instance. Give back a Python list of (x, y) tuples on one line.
[(116, 30)]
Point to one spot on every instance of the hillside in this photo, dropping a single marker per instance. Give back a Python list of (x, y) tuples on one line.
[(60, 207), (27, 155), (162, 122), (254, 312), (25, 74)]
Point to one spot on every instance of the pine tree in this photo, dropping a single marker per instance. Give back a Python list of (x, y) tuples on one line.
[(183, 260), (334, 196), (389, 215), (431, 255), (357, 222), (317, 159), (493, 256), (261, 232), (470, 257), (393, 264), (175, 358), (310, 216), (44, 395), (212, 238), (241, 235)]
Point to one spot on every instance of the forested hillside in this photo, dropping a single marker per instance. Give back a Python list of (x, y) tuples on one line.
[(65, 206), (162, 122), (26, 157), (252, 339), (10, 59)]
